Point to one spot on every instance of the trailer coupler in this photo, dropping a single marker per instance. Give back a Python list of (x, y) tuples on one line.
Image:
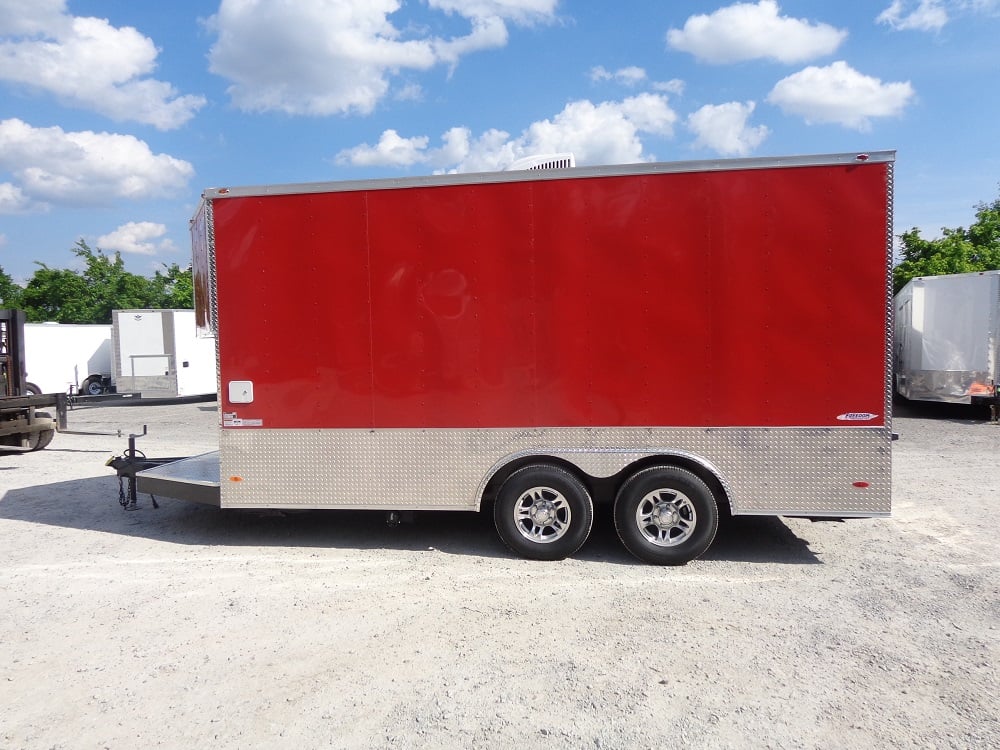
[(127, 465)]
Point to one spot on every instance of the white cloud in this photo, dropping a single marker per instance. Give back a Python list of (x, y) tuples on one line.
[(392, 150), (317, 57), (928, 15), (673, 86), (630, 76), (605, 133), (839, 94), (13, 200), (980, 6), (88, 63), (52, 166), (633, 76), (524, 12), (138, 238), (932, 15), (31, 16), (649, 113), (411, 92), (745, 31), (724, 128)]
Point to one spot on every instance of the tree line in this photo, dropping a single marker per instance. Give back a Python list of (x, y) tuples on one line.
[(89, 295), (956, 251)]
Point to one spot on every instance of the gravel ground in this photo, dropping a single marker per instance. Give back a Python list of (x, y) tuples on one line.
[(188, 626)]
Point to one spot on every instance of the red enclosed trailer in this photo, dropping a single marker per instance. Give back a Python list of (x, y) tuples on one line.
[(678, 339)]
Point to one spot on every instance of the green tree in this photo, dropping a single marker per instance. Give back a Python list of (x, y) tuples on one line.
[(174, 288), (56, 294), (89, 296), (956, 251), (110, 286), (10, 293)]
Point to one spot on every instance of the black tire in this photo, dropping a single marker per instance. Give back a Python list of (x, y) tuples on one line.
[(39, 440), (666, 515), (543, 512), (32, 390), (92, 386)]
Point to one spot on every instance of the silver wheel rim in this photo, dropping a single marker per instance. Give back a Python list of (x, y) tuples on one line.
[(666, 517), (542, 515)]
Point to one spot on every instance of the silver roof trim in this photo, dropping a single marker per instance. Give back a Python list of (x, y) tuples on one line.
[(616, 170)]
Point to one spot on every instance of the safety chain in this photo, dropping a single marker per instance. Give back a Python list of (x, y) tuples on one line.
[(127, 465), (123, 498)]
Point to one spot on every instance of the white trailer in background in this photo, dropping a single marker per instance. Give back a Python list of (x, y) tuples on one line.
[(158, 353), (68, 358), (947, 343)]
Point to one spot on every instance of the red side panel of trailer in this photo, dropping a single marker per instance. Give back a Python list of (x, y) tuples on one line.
[(751, 297)]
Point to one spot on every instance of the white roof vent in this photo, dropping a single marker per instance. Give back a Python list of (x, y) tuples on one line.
[(543, 161)]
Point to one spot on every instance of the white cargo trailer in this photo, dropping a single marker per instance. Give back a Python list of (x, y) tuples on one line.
[(947, 343), (68, 358), (159, 354)]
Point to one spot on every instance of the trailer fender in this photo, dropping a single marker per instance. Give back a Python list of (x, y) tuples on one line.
[(614, 467)]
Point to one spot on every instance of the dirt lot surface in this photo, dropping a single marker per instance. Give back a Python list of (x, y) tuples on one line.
[(188, 626)]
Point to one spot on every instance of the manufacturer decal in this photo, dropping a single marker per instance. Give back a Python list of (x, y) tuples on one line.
[(229, 419), (857, 416)]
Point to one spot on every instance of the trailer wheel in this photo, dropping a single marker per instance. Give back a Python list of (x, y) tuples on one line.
[(543, 512), (92, 386), (666, 515), (32, 389)]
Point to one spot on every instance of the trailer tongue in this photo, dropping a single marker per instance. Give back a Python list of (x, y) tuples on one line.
[(677, 340), (194, 478)]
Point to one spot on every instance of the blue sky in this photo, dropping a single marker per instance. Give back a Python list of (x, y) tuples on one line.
[(115, 115)]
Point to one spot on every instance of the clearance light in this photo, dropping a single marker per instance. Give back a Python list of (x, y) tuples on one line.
[(235, 479), (861, 485), (862, 157)]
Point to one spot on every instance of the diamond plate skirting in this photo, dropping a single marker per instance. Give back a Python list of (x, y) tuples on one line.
[(765, 471)]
